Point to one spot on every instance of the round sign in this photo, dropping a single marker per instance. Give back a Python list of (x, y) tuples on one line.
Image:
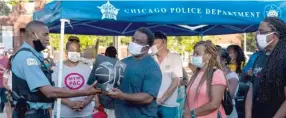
[(74, 81)]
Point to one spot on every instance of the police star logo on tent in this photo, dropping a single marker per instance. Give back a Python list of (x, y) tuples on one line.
[(272, 11), (108, 11)]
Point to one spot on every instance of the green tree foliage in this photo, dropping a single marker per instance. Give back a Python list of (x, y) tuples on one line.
[(4, 9), (185, 44), (250, 42), (86, 41), (14, 2), (125, 40), (105, 40), (180, 44)]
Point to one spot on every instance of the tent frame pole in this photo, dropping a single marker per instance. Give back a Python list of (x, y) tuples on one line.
[(244, 42), (201, 37), (60, 76), (117, 45)]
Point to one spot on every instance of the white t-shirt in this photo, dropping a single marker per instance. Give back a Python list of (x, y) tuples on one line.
[(74, 78), (8, 75), (233, 75), (171, 67)]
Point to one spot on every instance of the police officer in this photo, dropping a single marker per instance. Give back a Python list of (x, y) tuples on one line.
[(32, 80)]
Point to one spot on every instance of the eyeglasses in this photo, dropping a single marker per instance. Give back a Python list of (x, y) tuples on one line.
[(260, 31)]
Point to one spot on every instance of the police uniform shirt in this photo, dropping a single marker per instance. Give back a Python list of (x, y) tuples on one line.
[(28, 67)]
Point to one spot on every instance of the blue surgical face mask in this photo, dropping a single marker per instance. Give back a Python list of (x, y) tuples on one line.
[(197, 61)]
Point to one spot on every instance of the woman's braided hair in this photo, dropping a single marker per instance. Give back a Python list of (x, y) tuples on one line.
[(273, 75), (214, 62)]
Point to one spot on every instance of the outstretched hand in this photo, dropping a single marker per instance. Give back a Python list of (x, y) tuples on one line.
[(115, 93), (92, 90)]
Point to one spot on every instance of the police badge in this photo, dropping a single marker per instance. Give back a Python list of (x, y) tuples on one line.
[(108, 72)]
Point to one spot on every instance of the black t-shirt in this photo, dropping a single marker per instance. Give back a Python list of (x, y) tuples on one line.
[(257, 67), (261, 110), (258, 110)]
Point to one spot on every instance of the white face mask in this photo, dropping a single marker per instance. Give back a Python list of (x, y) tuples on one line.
[(155, 50), (135, 49), (262, 40), (197, 61), (74, 56)]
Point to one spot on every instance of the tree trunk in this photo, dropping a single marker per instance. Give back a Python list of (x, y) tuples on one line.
[(96, 47)]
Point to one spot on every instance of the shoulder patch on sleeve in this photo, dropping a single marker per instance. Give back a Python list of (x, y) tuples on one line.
[(32, 62)]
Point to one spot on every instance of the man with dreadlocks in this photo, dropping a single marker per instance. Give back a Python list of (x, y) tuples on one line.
[(266, 97)]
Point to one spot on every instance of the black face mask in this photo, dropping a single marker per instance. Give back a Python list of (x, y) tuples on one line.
[(38, 45)]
